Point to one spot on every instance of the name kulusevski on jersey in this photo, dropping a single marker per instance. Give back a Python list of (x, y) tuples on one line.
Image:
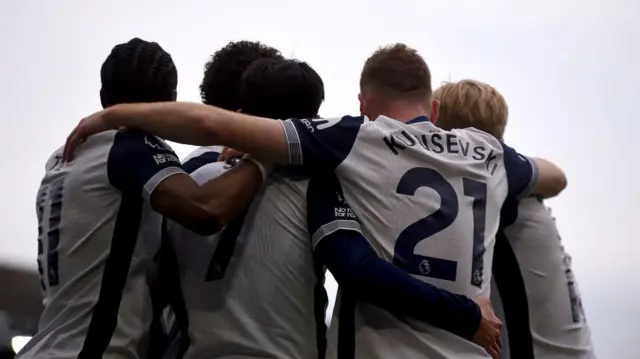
[(97, 237), (428, 201)]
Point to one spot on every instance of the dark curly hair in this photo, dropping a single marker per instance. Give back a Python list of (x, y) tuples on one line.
[(281, 89), (138, 71), (222, 73)]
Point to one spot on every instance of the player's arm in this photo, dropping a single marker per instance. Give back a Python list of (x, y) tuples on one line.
[(532, 176), (141, 164), (309, 142), (551, 179), (340, 245)]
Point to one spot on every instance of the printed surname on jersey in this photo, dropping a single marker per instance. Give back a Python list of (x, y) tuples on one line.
[(446, 143)]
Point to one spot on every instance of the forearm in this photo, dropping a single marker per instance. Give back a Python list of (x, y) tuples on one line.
[(174, 121), (355, 266), (202, 125), (551, 179), (229, 194)]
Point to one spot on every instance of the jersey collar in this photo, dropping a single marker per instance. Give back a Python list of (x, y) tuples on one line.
[(418, 120)]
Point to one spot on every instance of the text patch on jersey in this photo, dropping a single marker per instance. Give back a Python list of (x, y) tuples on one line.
[(162, 158), (319, 123), (342, 209)]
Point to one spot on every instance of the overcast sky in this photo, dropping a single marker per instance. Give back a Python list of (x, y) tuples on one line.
[(569, 70)]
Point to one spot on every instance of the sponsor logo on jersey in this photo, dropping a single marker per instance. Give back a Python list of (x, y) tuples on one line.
[(324, 123), (161, 158), (319, 123), (155, 143), (344, 213)]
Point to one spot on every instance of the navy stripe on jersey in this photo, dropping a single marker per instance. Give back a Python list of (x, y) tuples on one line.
[(320, 303), (522, 173), (136, 164), (347, 326), (158, 340), (321, 142), (196, 162), (114, 278), (169, 275), (511, 287)]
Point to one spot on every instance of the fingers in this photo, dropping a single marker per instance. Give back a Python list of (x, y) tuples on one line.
[(229, 153), (72, 143), (496, 350), (495, 354)]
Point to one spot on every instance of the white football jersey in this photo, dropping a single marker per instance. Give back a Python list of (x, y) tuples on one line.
[(429, 201), (200, 157), (539, 293), (253, 290), (97, 237)]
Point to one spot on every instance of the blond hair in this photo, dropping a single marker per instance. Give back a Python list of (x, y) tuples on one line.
[(470, 103)]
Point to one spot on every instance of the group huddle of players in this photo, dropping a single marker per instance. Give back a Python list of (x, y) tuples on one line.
[(223, 255)]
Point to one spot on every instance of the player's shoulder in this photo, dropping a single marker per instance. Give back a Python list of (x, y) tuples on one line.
[(54, 159), (207, 151), (130, 139), (211, 170), (478, 137), (321, 123)]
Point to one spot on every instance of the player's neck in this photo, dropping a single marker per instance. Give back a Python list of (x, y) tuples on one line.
[(405, 113)]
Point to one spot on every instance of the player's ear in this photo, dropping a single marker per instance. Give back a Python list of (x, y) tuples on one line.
[(362, 104), (435, 110)]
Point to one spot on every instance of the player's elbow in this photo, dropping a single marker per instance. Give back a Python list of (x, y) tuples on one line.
[(552, 180), (198, 218), (208, 221)]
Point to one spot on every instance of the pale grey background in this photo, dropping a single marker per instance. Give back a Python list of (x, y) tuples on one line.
[(567, 68)]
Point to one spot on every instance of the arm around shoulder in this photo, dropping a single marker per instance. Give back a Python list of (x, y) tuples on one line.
[(207, 208), (143, 165), (203, 125), (551, 179)]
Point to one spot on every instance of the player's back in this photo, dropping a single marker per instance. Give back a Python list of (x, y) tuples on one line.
[(537, 288), (253, 290), (429, 202), (94, 251)]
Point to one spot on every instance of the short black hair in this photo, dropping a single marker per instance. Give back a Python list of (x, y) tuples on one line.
[(222, 73), (281, 89), (138, 71)]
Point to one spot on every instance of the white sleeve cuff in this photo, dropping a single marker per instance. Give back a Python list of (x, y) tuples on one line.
[(154, 181), (333, 226), (293, 142)]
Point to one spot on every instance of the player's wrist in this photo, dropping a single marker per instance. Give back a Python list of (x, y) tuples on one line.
[(114, 116), (475, 322), (265, 168)]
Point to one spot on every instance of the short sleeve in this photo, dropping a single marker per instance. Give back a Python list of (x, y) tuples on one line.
[(138, 162), (321, 142), (327, 209), (522, 173)]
